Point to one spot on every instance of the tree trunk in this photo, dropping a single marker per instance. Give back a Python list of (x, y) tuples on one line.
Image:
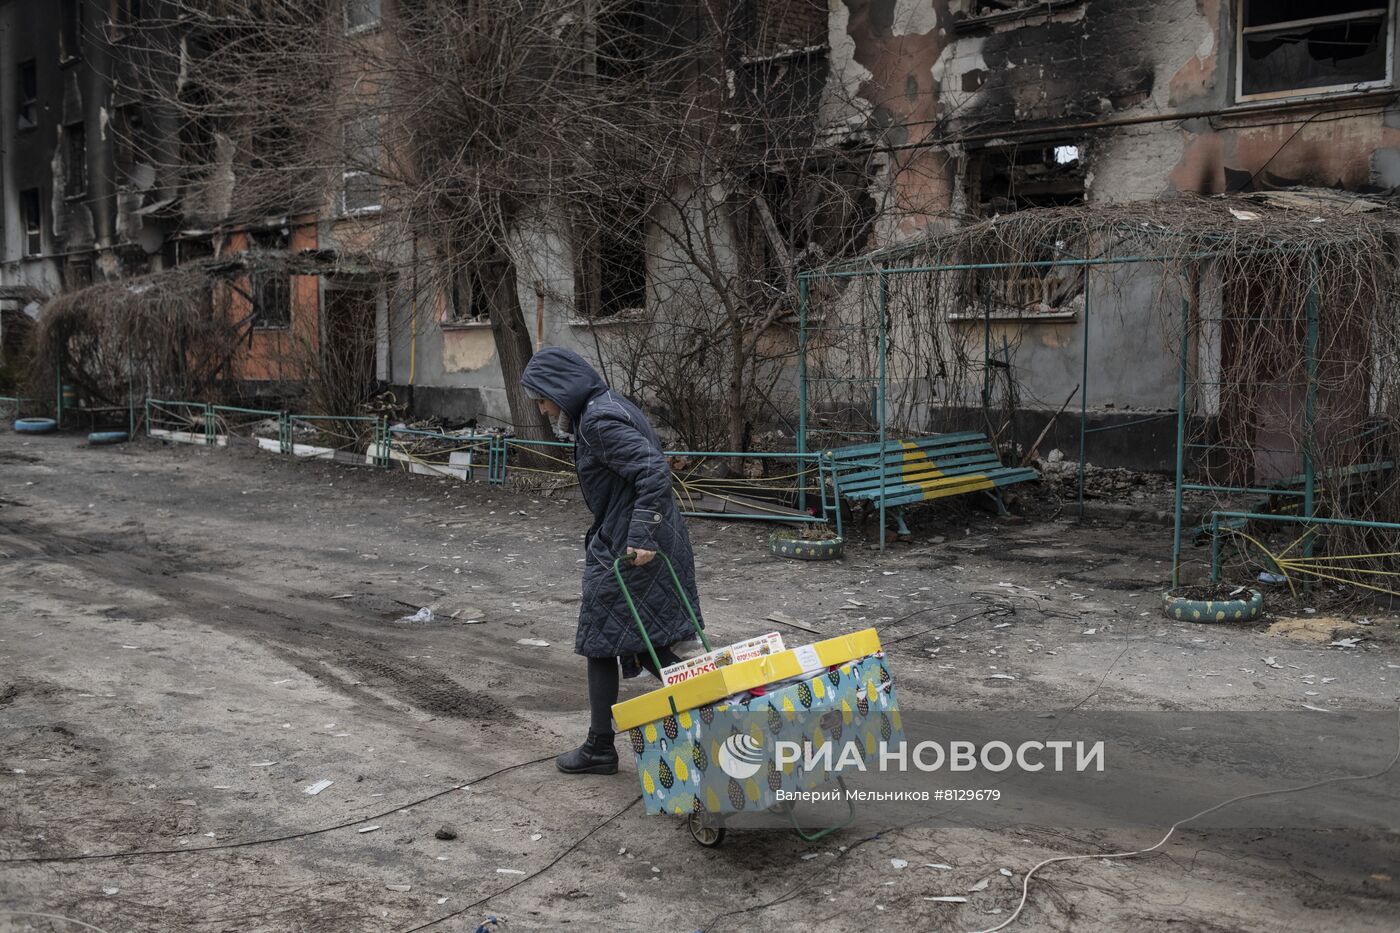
[(513, 349)]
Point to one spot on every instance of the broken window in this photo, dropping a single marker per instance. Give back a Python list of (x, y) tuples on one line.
[(272, 284), (610, 274), (129, 140), (1002, 181), (70, 38), (1289, 47), (359, 179), (471, 302), (31, 215), (27, 86), (75, 160), (361, 14)]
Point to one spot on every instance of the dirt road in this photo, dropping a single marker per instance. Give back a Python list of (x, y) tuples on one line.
[(191, 638)]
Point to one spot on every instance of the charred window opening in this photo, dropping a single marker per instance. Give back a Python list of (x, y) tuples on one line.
[(271, 284), (129, 140), (359, 180), (981, 15), (471, 301), (123, 16), (1289, 47), (192, 249), (71, 26), (78, 274), (1002, 181), (75, 160), (31, 216), (610, 275), (361, 14), (1005, 180), (27, 90), (198, 149)]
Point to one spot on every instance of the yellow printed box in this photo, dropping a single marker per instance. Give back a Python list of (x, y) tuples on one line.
[(746, 675), (746, 752)]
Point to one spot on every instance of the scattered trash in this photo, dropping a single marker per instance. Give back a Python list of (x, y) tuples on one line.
[(1272, 662), (784, 619), (899, 863), (1345, 643), (316, 788), (1266, 577), (422, 615), (981, 885), (939, 865), (398, 887), (445, 833), (509, 871), (809, 856), (442, 900), (1000, 677), (1315, 709), (1090, 631), (367, 829), (533, 642), (262, 764), (536, 837), (950, 899), (489, 924), (1006, 872), (1243, 215), (111, 891), (344, 596)]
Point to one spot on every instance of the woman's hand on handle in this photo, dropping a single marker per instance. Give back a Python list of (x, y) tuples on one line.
[(640, 557)]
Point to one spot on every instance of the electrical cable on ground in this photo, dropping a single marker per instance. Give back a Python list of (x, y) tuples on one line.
[(33, 913), (38, 860), (533, 875), (1026, 882)]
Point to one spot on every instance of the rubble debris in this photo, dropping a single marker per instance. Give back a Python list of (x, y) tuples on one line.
[(316, 788), (445, 833)]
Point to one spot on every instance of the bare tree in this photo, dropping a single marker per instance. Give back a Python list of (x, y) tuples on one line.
[(438, 133)]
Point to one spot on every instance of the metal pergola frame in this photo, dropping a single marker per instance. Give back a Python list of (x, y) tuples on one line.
[(883, 270)]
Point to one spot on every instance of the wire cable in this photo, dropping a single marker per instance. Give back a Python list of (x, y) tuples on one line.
[(34, 913), (1026, 882), (39, 860), (533, 875)]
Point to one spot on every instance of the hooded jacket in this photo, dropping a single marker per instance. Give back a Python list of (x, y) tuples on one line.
[(626, 483)]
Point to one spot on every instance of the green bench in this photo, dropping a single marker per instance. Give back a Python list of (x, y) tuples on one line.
[(900, 473)]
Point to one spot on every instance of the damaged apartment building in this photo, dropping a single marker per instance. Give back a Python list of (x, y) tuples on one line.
[(958, 110)]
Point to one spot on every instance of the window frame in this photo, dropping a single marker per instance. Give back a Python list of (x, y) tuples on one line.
[(352, 29), (122, 16), (31, 233), (347, 172), (75, 169), (468, 275), (70, 21), (259, 280), (26, 104), (1385, 7)]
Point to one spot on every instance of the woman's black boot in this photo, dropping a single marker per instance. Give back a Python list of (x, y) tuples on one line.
[(595, 756)]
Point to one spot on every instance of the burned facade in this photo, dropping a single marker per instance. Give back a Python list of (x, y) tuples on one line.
[(876, 122)]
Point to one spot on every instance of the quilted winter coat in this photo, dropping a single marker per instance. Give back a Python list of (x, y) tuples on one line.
[(627, 485)]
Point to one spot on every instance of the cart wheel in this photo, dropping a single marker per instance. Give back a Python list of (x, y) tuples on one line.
[(706, 830)]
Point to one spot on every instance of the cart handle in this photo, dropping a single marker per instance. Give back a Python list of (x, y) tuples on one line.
[(680, 591)]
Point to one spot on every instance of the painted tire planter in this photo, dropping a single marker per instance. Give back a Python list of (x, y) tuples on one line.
[(106, 437), (798, 549), (35, 425), (1247, 608)]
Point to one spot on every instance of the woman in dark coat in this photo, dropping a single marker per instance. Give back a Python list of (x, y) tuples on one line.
[(627, 485)]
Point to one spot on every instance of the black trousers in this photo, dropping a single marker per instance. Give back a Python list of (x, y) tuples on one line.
[(604, 676)]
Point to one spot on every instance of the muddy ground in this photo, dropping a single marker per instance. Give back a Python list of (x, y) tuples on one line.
[(189, 638)]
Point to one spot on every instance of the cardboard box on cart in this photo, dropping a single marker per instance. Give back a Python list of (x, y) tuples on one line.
[(708, 744)]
